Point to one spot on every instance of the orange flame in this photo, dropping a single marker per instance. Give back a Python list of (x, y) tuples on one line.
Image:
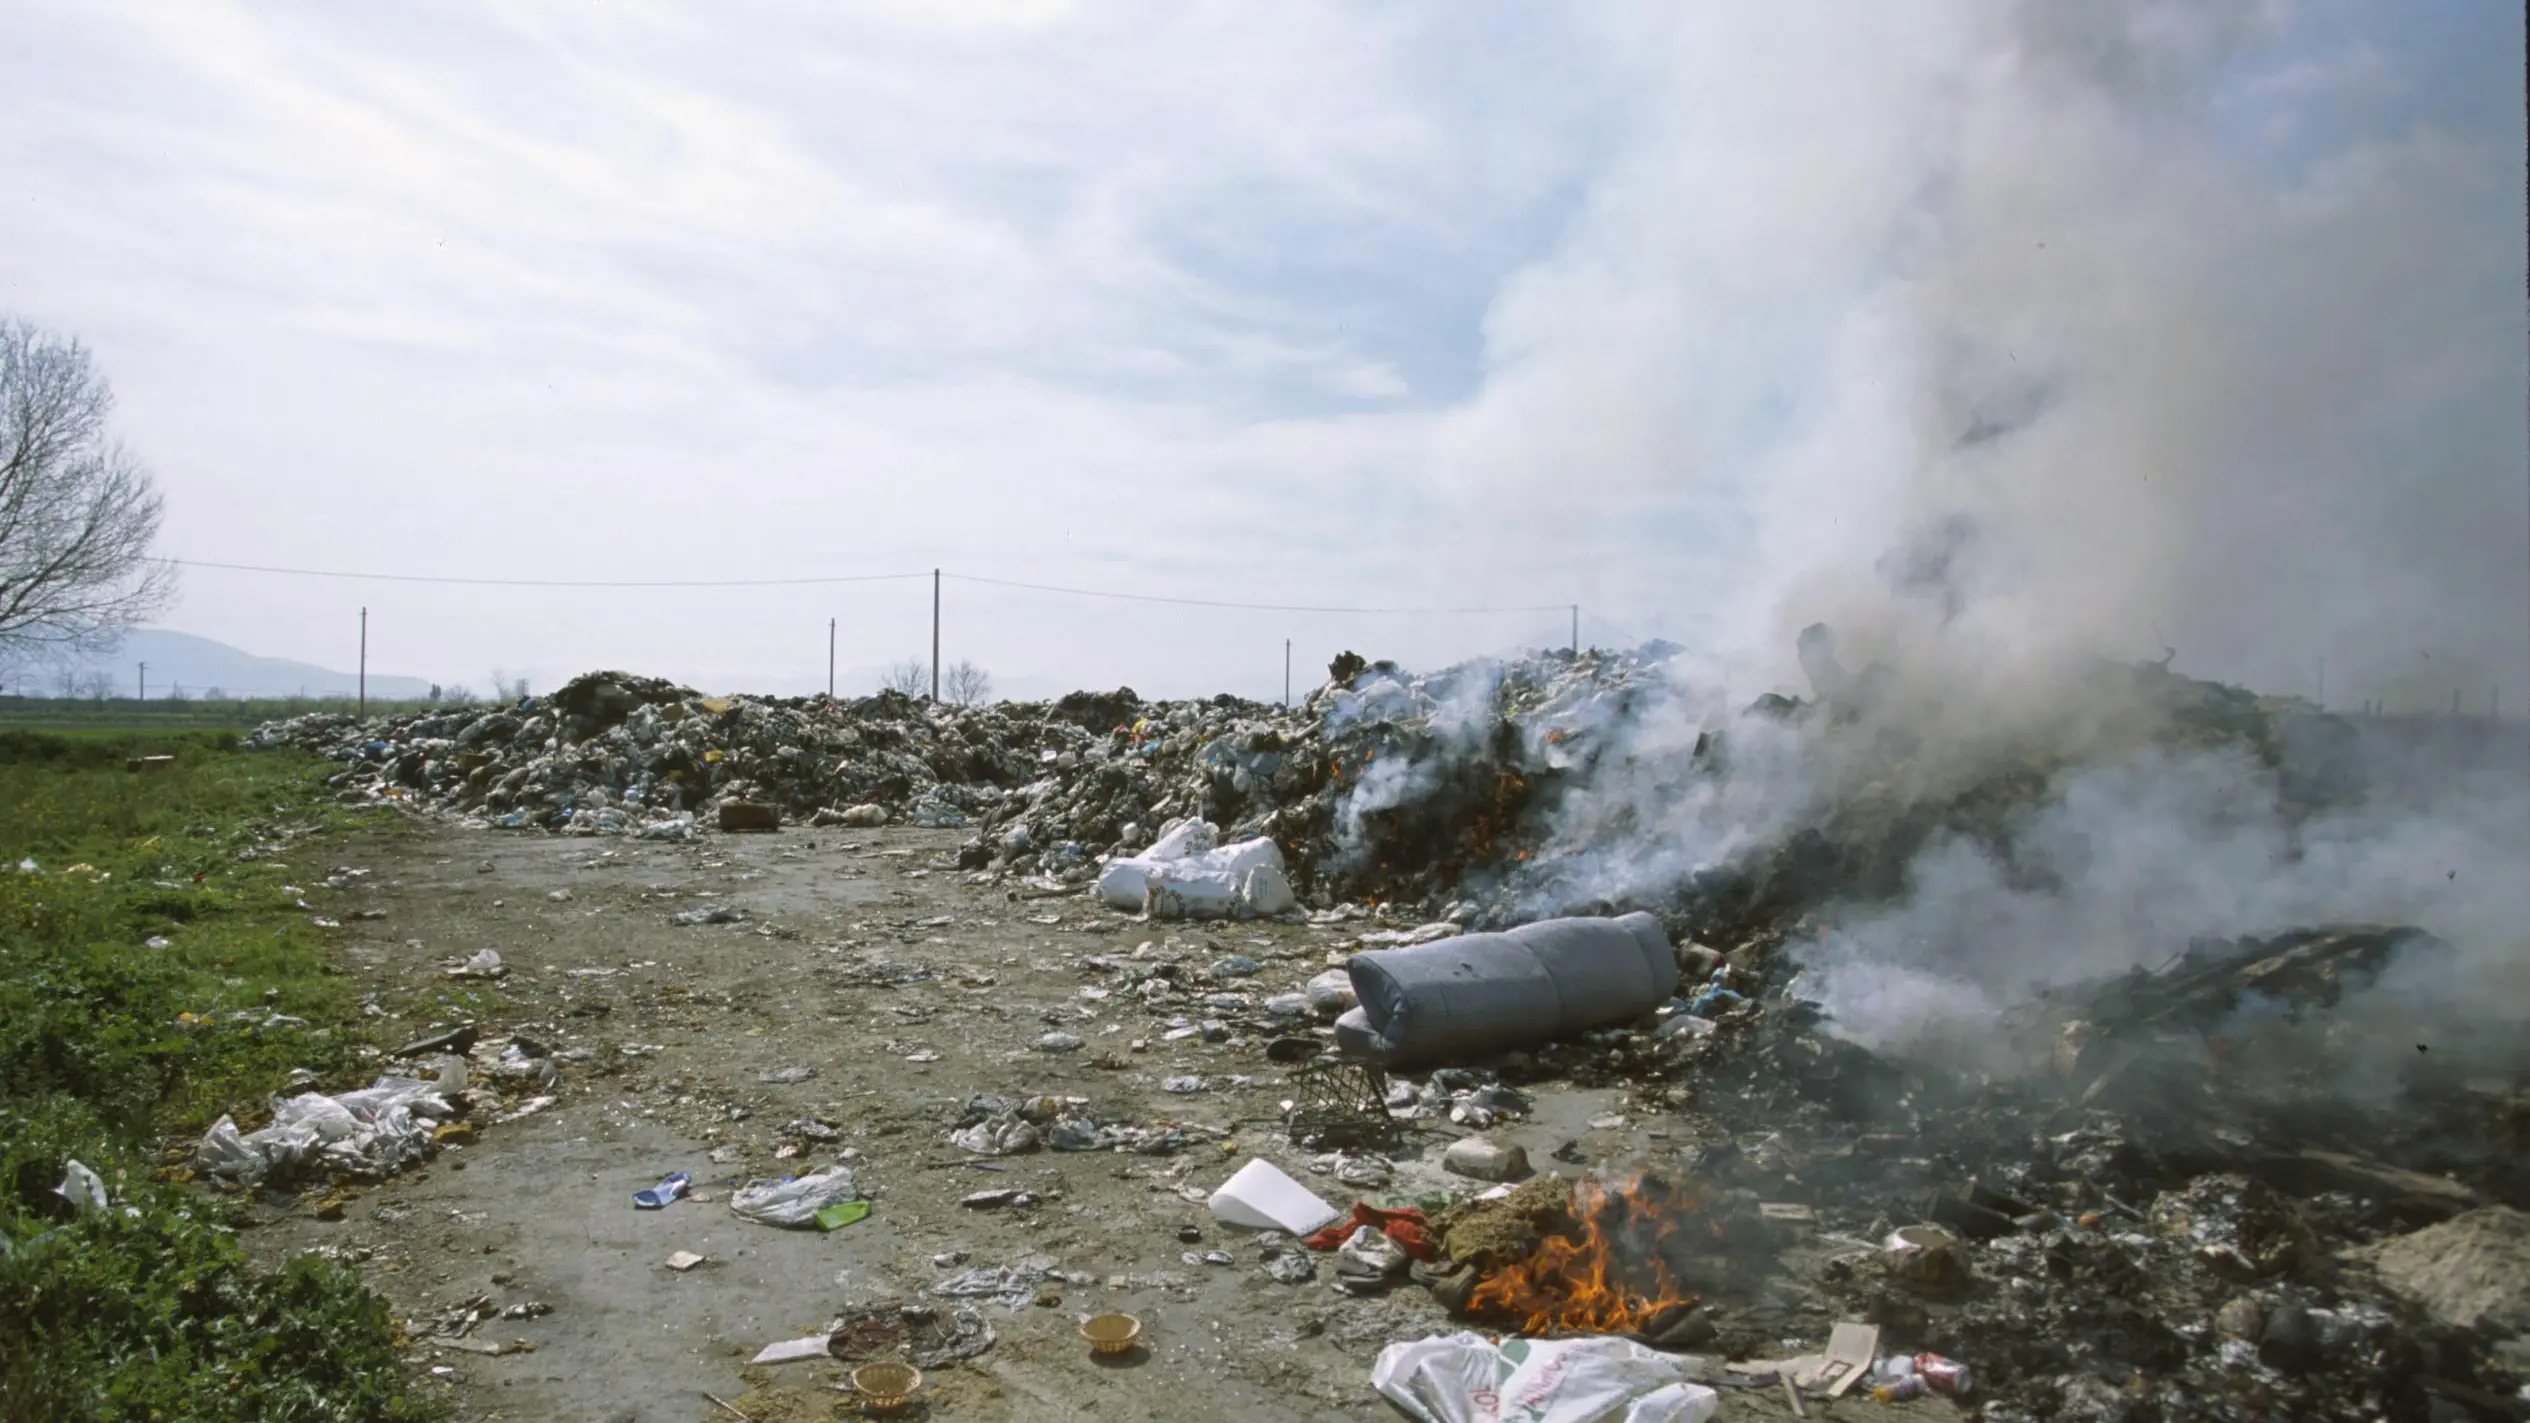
[(1609, 1277)]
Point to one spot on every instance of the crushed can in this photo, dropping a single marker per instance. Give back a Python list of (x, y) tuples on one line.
[(1946, 1376)]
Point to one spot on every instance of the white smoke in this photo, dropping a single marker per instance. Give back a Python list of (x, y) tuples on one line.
[(2121, 330)]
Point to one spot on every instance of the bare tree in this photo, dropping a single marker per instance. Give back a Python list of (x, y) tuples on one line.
[(966, 684), (911, 677), (96, 684), (77, 511), (457, 695)]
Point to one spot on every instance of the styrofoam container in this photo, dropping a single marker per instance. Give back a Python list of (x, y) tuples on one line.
[(1261, 1197)]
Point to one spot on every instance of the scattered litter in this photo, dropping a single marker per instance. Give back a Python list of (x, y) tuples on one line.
[(378, 1129), (791, 1351), (841, 1214), (684, 1260), (711, 914), (1011, 1286), (1260, 1197), (793, 1200), (458, 1040), (1290, 1267), (486, 964), (671, 1186), (1368, 1261)]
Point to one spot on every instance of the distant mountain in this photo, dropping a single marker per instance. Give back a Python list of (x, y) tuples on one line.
[(197, 665)]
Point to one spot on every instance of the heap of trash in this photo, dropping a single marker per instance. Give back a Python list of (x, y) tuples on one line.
[(1445, 791), (1377, 782)]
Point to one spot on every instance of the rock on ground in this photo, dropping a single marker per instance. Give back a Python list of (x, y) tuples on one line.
[(2471, 1271)]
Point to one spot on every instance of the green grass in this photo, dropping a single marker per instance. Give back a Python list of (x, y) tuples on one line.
[(109, 1047), (163, 714)]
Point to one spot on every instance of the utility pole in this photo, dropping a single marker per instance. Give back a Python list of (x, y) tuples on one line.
[(2323, 684), (144, 681), (364, 662), (935, 637), (1576, 629), (1286, 674), (830, 659)]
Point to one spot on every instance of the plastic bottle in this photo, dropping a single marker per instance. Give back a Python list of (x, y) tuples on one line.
[(1943, 1375), (1899, 1390)]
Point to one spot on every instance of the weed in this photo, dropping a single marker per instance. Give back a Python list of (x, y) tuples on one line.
[(142, 963)]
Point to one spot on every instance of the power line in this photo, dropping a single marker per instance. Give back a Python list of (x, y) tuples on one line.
[(855, 578), (1248, 607), (548, 582)]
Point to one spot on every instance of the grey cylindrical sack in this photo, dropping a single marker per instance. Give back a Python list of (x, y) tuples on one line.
[(1485, 993)]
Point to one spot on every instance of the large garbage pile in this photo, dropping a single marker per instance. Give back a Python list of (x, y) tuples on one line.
[(1380, 786), (1453, 790), (612, 753)]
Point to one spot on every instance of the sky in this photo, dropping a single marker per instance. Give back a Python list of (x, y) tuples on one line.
[(2025, 329)]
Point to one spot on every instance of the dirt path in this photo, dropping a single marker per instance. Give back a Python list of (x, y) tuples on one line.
[(854, 961)]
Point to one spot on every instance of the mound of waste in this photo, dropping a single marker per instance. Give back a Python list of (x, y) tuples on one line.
[(1478, 789)]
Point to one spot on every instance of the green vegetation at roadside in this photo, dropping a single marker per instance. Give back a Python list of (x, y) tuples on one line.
[(149, 979), (170, 714)]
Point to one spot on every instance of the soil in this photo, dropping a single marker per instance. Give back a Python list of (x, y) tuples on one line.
[(860, 953)]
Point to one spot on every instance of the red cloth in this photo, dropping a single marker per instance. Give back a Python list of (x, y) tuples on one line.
[(1406, 1227)]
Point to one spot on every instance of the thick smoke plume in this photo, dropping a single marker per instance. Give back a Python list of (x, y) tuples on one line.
[(2166, 338)]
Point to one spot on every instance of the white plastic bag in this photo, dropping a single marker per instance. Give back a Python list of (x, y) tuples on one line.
[(1444, 1379), (1226, 883), (223, 1152), (81, 1187), (1464, 1378), (794, 1202)]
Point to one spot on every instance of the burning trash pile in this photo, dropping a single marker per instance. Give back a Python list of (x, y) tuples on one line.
[(1441, 791), (2175, 1214), (1381, 785)]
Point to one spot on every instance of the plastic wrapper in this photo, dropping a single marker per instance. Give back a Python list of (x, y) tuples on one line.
[(796, 1200)]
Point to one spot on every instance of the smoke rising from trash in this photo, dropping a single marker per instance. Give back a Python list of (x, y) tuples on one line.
[(2116, 378)]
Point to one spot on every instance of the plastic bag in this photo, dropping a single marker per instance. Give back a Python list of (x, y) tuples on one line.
[(794, 1201), (81, 1187), (223, 1152), (1466, 1378)]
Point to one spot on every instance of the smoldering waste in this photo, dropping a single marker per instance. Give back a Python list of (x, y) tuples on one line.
[(2177, 1212)]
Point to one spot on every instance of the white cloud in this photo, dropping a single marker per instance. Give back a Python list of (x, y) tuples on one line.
[(1662, 310)]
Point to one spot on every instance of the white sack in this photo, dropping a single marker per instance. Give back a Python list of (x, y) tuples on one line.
[(1464, 1378)]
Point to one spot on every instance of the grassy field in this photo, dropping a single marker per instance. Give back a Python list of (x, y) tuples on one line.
[(110, 1047), (168, 714)]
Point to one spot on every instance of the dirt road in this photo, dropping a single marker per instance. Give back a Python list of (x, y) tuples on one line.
[(905, 990)]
